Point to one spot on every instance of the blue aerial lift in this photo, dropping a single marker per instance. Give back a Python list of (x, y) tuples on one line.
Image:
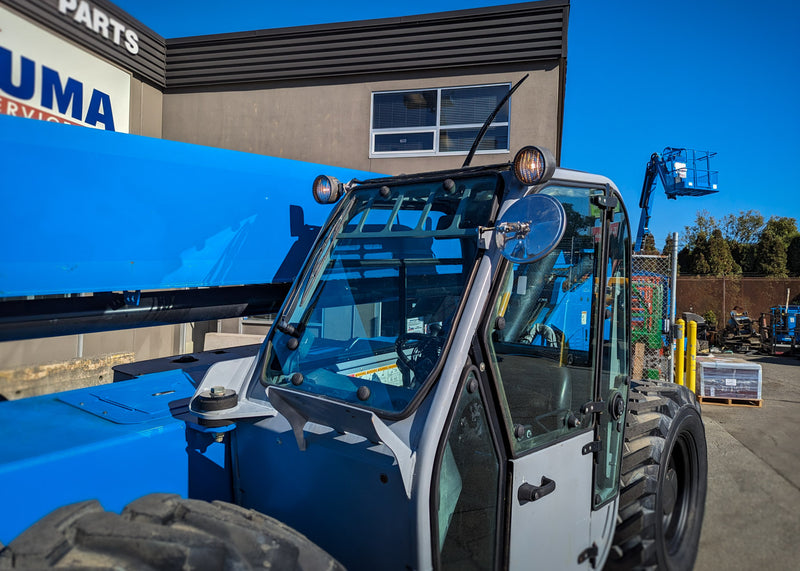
[(780, 332), (683, 172)]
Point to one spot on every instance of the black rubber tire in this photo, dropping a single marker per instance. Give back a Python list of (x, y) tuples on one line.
[(663, 480), (163, 531)]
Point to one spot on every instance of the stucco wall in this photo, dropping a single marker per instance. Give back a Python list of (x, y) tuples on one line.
[(329, 123), (146, 109)]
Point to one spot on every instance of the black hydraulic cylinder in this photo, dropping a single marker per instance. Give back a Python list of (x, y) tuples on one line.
[(54, 316)]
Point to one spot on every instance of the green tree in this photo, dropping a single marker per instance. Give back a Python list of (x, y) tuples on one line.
[(744, 255), (771, 254), (669, 244), (744, 228), (783, 227), (684, 260), (693, 257), (704, 225), (699, 264), (698, 256), (649, 246), (793, 256), (742, 233), (720, 260)]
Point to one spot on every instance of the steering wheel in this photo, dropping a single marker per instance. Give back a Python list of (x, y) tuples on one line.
[(424, 354)]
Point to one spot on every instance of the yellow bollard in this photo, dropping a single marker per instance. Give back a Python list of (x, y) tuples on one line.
[(691, 357), (679, 347)]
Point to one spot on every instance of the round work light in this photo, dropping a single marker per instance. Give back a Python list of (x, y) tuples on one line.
[(534, 165), (326, 189)]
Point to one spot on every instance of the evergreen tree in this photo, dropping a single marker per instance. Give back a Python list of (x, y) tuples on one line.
[(699, 265), (783, 227), (720, 260), (744, 255), (685, 260), (793, 256), (649, 246), (699, 255), (669, 244), (771, 254), (742, 233)]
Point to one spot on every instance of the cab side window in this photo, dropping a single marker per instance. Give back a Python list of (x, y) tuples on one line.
[(540, 335), (468, 487)]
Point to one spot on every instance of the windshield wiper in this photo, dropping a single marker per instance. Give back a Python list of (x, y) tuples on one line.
[(489, 120)]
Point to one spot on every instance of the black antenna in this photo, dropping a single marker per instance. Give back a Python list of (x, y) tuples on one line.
[(488, 122)]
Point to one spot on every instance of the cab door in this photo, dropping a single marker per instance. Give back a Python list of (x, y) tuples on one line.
[(541, 346)]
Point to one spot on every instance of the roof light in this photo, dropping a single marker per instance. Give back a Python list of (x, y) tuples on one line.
[(534, 165), (327, 189)]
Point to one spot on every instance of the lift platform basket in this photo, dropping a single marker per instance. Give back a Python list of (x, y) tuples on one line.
[(689, 172)]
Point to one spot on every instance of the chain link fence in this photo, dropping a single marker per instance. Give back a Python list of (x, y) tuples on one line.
[(651, 297)]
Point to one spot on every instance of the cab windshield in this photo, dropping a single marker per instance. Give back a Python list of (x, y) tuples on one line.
[(376, 305)]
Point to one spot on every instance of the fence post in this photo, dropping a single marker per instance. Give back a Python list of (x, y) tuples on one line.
[(673, 301), (691, 357), (679, 360)]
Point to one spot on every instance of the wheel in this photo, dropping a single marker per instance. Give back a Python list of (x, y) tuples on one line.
[(162, 531), (663, 480)]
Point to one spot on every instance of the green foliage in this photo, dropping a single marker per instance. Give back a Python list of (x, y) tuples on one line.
[(698, 256), (649, 246), (741, 243), (720, 260), (771, 255), (783, 227), (710, 317), (793, 256), (669, 245), (704, 225), (745, 255), (742, 229)]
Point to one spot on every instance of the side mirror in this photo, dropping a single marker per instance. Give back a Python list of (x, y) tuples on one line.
[(531, 228)]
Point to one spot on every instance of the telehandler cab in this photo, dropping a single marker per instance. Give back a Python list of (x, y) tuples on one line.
[(447, 385)]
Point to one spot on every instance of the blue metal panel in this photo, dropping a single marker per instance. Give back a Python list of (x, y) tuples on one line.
[(336, 475), (152, 398), (86, 210), (54, 453)]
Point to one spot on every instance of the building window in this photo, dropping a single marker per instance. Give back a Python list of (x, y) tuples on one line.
[(441, 121)]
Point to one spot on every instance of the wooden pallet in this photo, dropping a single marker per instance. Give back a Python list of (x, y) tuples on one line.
[(757, 403)]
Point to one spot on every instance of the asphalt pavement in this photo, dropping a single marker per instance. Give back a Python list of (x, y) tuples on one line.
[(752, 517)]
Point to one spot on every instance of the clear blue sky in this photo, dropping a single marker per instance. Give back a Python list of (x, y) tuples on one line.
[(720, 75)]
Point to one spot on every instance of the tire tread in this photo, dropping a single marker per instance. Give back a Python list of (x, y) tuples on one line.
[(163, 531), (652, 407)]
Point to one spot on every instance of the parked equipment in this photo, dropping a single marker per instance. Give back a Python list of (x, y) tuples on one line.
[(779, 329), (740, 333), (447, 385), (683, 172)]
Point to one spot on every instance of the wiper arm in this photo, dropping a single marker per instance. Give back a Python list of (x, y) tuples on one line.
[(489, 120)]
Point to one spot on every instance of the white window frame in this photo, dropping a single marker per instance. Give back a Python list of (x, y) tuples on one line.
[(435, 129)]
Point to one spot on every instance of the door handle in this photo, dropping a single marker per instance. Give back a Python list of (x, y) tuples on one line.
[(530, 493)]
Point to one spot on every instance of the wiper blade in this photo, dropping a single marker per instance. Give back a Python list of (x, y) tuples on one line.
[(489, 120)]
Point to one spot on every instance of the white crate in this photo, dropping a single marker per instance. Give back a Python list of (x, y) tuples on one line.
[(729, 378)]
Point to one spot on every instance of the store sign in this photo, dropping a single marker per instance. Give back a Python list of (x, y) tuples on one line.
[(44, 77), (100, 23)]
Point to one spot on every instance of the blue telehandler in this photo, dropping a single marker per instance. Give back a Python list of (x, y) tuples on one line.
[(447, 383)]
